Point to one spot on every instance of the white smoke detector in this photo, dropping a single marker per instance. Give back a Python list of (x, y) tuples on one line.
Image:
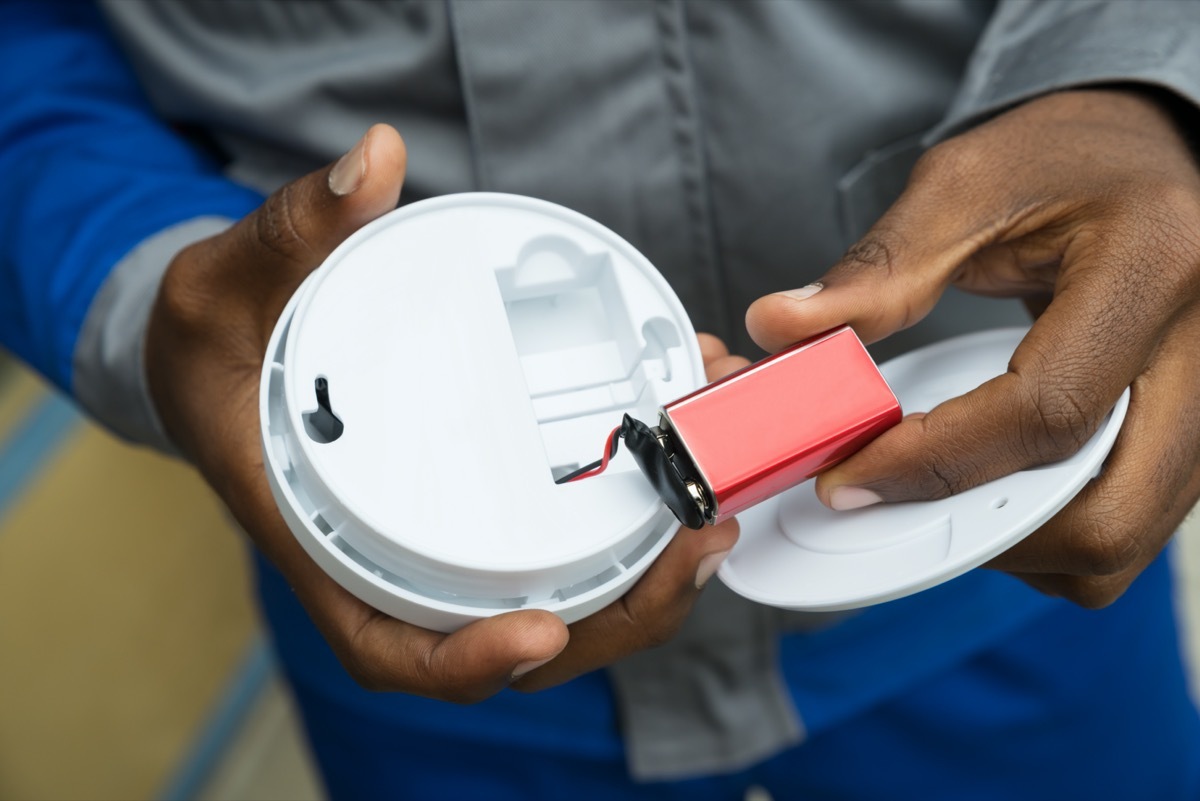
[(472, 349), (428, 383)]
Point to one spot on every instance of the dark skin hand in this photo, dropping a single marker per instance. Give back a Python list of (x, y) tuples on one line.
[(208, 334), (1087, 205)]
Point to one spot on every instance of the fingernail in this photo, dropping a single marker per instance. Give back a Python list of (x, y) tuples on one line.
[(804, 292), (528, 667), (843, 499), (348, 173), (708, 566)]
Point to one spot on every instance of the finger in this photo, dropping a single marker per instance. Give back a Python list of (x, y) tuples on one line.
[(1063, 379), (648, 615), (383, 653), (299, 225), (469, 665), (1091, 550), (887, 281), (719, 368), (711, 347), (305, 220)]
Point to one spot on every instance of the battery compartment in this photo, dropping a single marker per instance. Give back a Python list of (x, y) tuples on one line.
[(587, 354)]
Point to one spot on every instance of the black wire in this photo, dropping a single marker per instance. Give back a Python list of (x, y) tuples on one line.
[(577, 473), (589, 467)]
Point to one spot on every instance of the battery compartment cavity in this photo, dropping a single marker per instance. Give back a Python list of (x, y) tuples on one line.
[(586, 355)]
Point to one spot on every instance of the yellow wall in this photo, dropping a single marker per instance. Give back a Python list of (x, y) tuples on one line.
[(124, 610)]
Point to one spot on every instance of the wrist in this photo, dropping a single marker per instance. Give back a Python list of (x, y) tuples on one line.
[(109, 357), (1140, 109)]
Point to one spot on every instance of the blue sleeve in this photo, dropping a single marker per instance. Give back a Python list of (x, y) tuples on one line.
[(88, 172)]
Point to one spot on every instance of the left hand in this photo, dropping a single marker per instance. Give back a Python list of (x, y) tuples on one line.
[(1087, 205), (209, 328)]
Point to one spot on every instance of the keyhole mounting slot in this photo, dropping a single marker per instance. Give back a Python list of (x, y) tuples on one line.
[(321, 424)]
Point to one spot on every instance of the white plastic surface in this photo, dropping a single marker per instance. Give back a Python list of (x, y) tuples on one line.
[(475, 347), (796, 554)]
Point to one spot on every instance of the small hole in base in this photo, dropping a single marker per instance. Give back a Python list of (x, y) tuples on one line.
[(321, 424), (999, 503)]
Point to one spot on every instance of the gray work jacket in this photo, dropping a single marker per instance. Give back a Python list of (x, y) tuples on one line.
[(741, 146)]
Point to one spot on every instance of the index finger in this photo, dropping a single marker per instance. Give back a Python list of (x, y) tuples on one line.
[(1065, 376), (711, 348), (648, 615), (386, 654), (466, 666)]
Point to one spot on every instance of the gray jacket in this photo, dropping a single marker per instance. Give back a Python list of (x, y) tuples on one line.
[(741, 146)]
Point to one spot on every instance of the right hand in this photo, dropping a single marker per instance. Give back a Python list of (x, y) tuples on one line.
[(208, 333)]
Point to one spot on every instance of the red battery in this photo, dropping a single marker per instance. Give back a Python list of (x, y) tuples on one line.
[(778, 422)]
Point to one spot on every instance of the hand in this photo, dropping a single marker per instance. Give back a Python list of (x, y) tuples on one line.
[(1087, 205), (209, 328)]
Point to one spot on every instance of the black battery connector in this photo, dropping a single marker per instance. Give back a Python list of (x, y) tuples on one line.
[(657, 461)]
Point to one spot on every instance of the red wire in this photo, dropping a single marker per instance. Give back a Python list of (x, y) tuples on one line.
[(609, 450)]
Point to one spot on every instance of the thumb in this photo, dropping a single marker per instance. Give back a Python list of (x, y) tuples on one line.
[(879, 287), (298, 226), (891, 278)]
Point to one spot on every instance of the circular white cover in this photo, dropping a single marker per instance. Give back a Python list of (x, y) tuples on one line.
[(794, 553), (474, 347)]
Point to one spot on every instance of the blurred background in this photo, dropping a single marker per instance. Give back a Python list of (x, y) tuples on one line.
[(132, 662)]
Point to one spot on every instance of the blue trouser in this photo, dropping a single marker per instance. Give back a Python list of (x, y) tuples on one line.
[(1072, 704)]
